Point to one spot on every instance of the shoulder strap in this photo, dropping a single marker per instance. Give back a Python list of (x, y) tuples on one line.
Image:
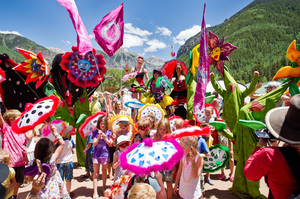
[(292, 158)]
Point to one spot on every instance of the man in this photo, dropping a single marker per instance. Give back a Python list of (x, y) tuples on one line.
[(283, 123)]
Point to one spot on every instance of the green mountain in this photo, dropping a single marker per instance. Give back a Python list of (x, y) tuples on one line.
[(262, 31)]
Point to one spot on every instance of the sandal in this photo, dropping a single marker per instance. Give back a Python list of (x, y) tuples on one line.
[(84, 176)]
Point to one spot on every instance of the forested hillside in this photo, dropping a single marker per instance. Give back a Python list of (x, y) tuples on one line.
[(262, 31)]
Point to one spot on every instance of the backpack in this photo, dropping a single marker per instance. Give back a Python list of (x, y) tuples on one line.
[(289, 154), (130, 184)]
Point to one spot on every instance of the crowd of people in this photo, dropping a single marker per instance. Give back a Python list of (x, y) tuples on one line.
[(104, 147)]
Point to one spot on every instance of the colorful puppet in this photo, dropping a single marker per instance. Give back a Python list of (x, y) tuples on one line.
[(219, 51), (36, 68), (143, 158), (217, 159), (245, 140), (84, 70), (233, 97)]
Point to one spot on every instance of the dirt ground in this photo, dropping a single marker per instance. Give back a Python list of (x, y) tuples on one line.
[(83, 188)]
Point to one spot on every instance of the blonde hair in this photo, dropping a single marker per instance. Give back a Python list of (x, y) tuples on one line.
[(163, 122), (5, 157), (190, 142), (11, 115), (144, 123), (179, 122), (141, 191), (210, 108), (151, 117)]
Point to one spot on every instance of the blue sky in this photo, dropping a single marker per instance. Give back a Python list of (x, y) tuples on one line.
[(152, 27)]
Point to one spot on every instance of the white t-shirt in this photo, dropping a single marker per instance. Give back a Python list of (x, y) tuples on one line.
[(66, 155)]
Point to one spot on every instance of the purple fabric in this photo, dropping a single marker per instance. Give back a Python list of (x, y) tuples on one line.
[(101, 150), (203, 74), (33, 170), (83, 41), (109, 32)]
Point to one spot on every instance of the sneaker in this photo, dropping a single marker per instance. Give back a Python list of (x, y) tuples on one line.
[(221, 176), (231, 178), (209, 181)]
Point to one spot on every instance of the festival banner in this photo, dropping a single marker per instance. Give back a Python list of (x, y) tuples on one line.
[(203, 74), (109, 32), (84, 43)]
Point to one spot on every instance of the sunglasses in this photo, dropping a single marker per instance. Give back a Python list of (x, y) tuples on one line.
[(143, 128), (124, 145)]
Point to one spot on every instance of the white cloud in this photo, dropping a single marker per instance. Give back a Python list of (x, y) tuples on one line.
[(128, 28), (133, 40), (66, 42), (10, 32), (163, 31), (188, 33), (154, 45)]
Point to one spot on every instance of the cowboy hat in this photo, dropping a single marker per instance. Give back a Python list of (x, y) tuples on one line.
[(283, 122)]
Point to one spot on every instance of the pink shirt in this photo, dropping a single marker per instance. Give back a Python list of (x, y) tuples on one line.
[(270, 161), (15, 144)]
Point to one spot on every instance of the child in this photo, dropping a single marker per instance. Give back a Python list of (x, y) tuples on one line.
[(151, 119), (89, 151), (102, 138), (122, 144), (124, 128), (209, 110), (45, 151), (64, 161), (15, 144), (141, 191), (190, 167), (163, 128), (10, 181), (143, 130), (30, 147), (178, 123)]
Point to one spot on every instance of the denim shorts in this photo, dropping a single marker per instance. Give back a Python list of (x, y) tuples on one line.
[(65, 170), (89, 163)]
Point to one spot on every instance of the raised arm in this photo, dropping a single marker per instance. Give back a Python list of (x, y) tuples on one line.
[(216, 86), (251, 88), (60, 141)]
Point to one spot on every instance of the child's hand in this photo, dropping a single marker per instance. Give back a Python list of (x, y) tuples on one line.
[(175, 190), (53, 129)]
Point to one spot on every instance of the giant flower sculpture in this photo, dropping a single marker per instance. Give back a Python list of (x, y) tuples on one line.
[(84, 70), (35, 67), (219, 51)]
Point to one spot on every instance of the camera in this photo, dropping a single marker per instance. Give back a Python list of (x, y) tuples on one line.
[(265, 134)]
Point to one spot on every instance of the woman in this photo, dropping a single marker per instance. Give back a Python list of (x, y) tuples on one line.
[(179, 93), (102, 102), (139, 77), (118, 108)]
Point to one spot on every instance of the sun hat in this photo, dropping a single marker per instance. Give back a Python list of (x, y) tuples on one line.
[(122, 138), (283, 122), (157, 70), (272, 84), (123, 120)]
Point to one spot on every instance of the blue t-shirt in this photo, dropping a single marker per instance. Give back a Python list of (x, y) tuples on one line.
[(90, 140), (203, 148), (101, 150)]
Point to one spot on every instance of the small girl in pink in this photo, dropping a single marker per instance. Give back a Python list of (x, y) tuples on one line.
[(15, 144), (190, 166)]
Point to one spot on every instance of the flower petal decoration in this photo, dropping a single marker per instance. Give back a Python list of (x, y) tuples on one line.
[(113, 124), (84, 70), (219, 51), (292, 53), (35, 114), (35, 67), (151, 109), (148, 156), (188, 131), (90, 124), (218, 158)]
